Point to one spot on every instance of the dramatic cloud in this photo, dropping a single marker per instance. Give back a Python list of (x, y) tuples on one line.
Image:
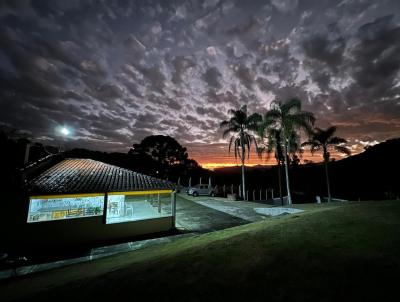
[(117, 71)]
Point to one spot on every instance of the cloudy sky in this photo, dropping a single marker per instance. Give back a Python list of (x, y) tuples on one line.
[(117, 71)]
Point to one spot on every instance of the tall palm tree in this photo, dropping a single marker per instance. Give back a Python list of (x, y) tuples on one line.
[(274, 144), (289, 120), (324, 140), (240, 125)]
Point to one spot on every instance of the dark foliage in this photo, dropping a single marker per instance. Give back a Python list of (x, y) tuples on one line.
[(157, 155)]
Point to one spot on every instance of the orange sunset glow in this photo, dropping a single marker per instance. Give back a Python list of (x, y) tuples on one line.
[(221, 158)]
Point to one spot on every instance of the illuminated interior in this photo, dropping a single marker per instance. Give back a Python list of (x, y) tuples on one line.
[(57, 208), (123, 208)]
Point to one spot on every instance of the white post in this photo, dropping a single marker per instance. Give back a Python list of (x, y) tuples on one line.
[(200, 179), (232, 189), (190, 182), (247, 195), (224, 190), (254, 195), (260, 195), (266, 194), (209, 182), (272, 192), (240, 191), (173, 207)]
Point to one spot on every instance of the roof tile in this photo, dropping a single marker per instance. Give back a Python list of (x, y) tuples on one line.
[(90, 176)]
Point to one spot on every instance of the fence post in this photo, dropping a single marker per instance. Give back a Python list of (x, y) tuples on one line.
[(260, 195), (247, 195), (266, 194), (224, 191), (272, 192), (240, 190), (254, 195), (173, 205), (232, 189)]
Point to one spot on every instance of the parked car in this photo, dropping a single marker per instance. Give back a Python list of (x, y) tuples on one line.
[(204, 190)]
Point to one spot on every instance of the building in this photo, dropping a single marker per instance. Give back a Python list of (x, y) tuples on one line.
[(83, 201)]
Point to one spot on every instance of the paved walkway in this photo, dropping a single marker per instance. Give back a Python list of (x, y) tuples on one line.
[(249, 211), (195, 217), (244, 210)]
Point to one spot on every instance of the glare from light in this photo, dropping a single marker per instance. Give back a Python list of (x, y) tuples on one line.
[(65, 131)]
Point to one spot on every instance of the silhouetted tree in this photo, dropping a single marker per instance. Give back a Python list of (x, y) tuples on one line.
[(274, 144), (170, 156), (289, 119), (322, 140), (163, 149), (241, 125)]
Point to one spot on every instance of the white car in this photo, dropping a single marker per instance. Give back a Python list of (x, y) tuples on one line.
[(204, 190)]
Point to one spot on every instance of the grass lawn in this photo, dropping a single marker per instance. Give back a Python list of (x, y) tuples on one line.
[(342, 252)]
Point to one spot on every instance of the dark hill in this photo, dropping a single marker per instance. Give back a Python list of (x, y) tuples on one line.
[(372, 174)]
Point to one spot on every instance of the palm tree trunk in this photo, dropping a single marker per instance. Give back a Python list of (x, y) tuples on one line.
[(327, 180), (243, 159), (287, 175), (280, 181), (243, 181)]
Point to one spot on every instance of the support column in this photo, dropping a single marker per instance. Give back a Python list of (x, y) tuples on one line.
[(159, 203), (105, 208)]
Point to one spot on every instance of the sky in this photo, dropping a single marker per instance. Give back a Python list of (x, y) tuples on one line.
[(114, 72)]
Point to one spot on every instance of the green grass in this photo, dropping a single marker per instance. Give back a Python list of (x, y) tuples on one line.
[(328, 253)]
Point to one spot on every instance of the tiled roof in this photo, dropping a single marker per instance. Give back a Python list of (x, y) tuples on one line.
[(90, 176)]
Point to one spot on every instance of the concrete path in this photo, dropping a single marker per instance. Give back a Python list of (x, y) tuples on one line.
[(194, 217), (244, 210)]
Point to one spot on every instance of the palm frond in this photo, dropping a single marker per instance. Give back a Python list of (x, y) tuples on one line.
[(272, 114), (343, 149), (226, 132), (314, 145), (224, 124), (330, 131), (253, 121), (337, 141), (237, 147), (292, 105), (232, 112), (230, 144)]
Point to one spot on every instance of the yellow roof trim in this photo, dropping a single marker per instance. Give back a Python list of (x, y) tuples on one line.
[(66, 195), (100, 194), (141, 192)]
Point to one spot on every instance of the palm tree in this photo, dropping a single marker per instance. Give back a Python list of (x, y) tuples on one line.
[(240, 125), (274, 144), (324, 140), (289, 120)]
